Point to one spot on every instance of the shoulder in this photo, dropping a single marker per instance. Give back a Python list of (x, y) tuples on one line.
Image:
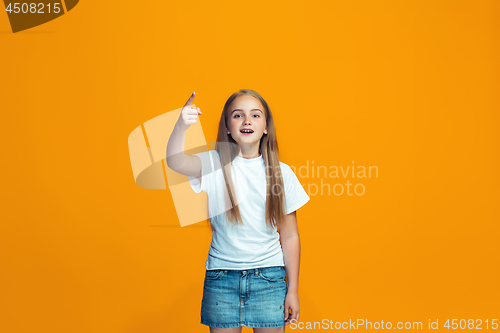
[(214, 153), (211, 151), (285, 166), (286, 171)]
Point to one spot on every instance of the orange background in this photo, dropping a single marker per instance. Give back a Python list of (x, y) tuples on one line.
[(411, 87)]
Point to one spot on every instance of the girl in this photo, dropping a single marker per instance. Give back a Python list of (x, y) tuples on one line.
[(253, 198)]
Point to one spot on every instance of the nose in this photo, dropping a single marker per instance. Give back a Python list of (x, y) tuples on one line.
[(247, 121)]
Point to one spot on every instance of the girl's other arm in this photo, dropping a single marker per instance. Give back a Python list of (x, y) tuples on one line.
[(290, 243), (185, 164)]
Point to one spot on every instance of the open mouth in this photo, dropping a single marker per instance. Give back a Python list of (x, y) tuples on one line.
[(246, 131)]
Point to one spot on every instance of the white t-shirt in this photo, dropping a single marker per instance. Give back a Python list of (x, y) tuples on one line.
[(252, 244)]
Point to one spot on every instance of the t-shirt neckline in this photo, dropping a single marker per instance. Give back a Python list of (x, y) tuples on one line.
[(248, 161)]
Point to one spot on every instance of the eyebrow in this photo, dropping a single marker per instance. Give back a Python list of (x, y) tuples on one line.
[(250, 110)]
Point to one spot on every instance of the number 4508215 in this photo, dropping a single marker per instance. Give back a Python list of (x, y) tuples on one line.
[(33, 8)]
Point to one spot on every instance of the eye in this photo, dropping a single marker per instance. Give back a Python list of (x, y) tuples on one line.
[(236, 116), (257, 115)]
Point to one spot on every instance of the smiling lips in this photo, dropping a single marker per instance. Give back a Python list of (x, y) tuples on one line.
[(246, 131)]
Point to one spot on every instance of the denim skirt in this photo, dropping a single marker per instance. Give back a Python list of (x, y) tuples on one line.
[(253, 297)]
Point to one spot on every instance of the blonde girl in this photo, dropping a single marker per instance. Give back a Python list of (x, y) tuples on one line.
[(252, 267)]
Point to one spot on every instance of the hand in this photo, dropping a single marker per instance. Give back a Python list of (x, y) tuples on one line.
[(291, 303), (189, 114)]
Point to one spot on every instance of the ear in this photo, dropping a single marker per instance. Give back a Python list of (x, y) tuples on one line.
[(265, 130)]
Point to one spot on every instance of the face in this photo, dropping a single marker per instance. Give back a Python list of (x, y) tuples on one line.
[(246, 112)]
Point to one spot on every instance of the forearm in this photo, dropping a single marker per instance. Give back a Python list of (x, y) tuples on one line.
[(175, 147), (291, 254)]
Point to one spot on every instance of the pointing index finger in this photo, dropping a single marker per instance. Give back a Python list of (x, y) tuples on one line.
[(190, 100)]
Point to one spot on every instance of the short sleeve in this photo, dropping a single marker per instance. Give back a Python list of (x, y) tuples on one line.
[(295, 194), (204, 182)]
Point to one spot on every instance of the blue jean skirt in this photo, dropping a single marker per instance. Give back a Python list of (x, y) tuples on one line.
[(252, 298)]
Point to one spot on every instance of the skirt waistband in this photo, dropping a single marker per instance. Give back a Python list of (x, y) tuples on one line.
[(254, 271)]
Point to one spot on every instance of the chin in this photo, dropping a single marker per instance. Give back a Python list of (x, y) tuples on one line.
[(246, 141)]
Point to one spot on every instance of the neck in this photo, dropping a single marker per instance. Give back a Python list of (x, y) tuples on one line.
[(249, 152)]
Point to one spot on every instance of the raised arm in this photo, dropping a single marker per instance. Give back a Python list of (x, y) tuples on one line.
[(177, 160)]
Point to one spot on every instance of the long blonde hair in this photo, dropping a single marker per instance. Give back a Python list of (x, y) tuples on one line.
[(268, 147)]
